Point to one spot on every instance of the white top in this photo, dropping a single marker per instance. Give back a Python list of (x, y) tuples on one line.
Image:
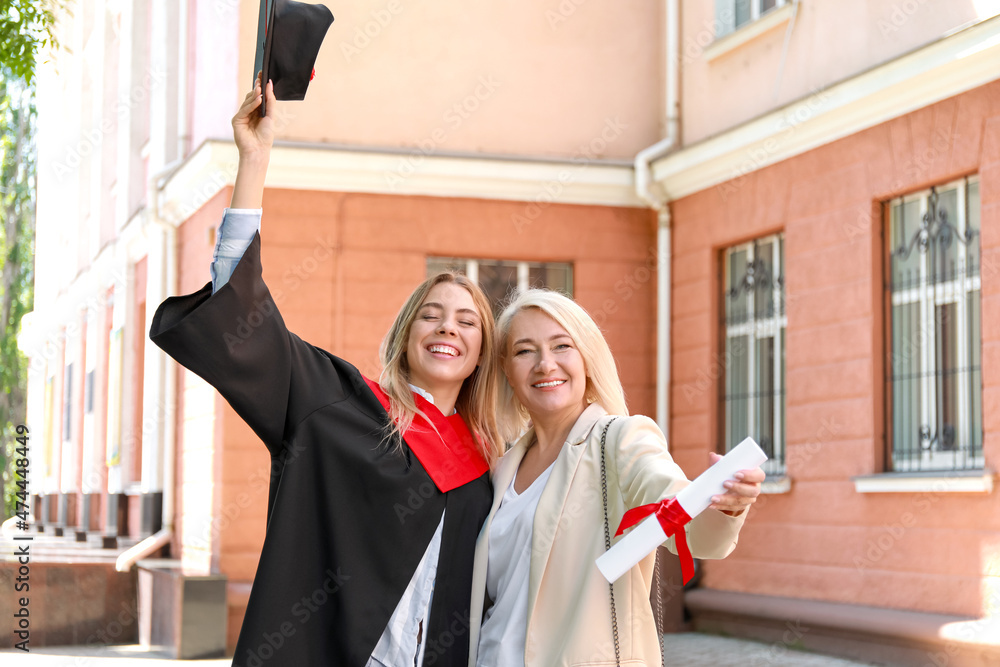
[(401, 643), (505, 626)]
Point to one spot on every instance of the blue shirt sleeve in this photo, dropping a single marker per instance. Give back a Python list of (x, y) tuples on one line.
[(239, 225)]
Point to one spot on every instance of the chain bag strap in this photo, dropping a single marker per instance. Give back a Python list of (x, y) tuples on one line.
[(658, 622), (607, 538)]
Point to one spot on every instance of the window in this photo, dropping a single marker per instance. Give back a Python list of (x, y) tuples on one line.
[(733, 14), (935, 388), (499, 278), (754, 324), (88, 392), (68, 403)]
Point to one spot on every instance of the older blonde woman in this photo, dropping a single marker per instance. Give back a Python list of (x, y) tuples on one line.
[(546, 602)]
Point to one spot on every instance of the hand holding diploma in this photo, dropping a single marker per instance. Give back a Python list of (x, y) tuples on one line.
[(741, 491), (730, 485)]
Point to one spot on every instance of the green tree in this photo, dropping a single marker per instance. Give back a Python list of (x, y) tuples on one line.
[(17, 233), (27, 27)]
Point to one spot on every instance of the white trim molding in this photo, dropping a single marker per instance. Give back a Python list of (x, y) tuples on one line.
[(952, 65), (957, 481), (403, 172)]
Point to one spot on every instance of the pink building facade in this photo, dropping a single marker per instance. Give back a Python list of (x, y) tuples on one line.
[(724, 187)]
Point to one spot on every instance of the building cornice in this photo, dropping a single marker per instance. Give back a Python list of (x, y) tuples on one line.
[(954, 64), (406, 172)]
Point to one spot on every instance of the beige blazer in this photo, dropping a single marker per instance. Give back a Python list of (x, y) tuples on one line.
[(569, 609)]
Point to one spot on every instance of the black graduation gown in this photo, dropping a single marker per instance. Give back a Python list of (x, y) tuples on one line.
[(348, 518)]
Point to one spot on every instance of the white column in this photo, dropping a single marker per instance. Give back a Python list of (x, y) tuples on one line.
[(124, 112), (159, 108), (95, 64), (156, 410), (90, 478), (116, 385)]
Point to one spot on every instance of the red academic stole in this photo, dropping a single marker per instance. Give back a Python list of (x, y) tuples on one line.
[(451, 459)]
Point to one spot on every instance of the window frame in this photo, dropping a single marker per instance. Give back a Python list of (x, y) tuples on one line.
[(955, 291), (726, 19), (756, 328), (523, 269)]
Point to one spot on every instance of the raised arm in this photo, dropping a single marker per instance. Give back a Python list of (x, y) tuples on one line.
[(254, 136), (233, 336)]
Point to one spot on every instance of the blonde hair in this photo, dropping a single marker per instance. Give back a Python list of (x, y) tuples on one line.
[(603, 384), (477, 398)]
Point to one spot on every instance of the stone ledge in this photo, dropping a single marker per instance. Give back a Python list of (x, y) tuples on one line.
[(953, 481), (874, 634), (777, 484)]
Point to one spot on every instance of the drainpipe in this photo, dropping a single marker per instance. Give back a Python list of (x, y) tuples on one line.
[(162, 537), (645, 190)]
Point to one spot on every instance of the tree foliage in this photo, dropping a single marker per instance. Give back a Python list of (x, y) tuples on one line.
[(26, 28), (17, 233)]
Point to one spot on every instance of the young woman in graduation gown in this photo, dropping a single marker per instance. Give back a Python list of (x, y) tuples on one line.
[(368, 553), (547, 603)]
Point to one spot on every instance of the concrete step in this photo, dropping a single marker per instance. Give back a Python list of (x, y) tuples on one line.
[(48, 548)]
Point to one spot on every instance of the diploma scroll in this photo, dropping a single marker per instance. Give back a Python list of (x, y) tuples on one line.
[(693, 499)]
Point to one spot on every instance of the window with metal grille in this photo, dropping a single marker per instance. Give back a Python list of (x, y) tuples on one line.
[(754, 324), (499, 279), (733, 14), (68, 403), (88, 393), (933, 370)]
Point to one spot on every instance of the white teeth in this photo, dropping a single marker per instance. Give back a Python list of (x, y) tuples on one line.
[(444, 349), (554, 383)]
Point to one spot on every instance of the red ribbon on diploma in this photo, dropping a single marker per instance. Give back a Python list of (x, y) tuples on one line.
[(672, 518)]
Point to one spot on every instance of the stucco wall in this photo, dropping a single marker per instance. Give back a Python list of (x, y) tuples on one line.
[(830, 40), (932, 552), (521, 77)]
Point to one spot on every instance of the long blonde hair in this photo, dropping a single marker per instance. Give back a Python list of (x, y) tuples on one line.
[(477, 399), (603, 384)]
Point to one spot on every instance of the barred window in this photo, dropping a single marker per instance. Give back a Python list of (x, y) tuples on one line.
[(88, 393), (935, 388), (501, 278), (68, 403), (754, 325), (733, 14)]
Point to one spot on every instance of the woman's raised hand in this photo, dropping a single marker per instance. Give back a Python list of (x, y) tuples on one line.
[(255, 134)]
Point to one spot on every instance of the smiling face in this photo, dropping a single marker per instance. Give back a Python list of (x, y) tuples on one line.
[(544, 367), (445, 339)]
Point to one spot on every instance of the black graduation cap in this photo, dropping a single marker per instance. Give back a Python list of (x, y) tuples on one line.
[(289, 35)]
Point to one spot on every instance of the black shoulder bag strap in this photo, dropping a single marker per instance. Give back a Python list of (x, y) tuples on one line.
[(607, 545)]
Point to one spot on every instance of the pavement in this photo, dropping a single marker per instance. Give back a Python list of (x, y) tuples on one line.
[(689, 649), (693, 649)]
